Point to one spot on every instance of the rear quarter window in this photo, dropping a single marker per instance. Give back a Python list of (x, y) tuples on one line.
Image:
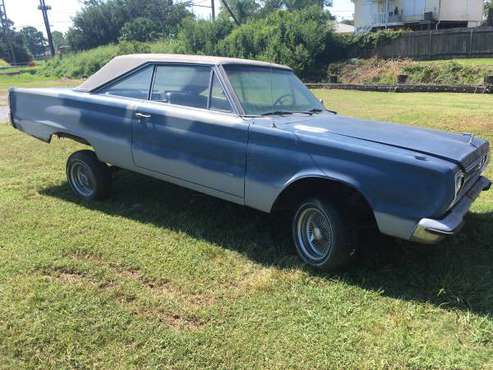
[(135, 86)]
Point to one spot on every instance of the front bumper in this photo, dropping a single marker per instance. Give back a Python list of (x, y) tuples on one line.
[(429, 231)]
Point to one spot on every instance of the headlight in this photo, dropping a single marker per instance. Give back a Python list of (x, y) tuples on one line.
[(459, 183)]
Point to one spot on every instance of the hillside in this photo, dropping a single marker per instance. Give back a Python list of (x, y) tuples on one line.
[(379, 71)]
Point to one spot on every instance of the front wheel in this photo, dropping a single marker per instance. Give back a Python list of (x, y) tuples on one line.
[(88, 177), (321, 237)]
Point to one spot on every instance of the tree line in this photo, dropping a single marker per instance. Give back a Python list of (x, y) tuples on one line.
[(298, 33), (294, 32), (27, 43)]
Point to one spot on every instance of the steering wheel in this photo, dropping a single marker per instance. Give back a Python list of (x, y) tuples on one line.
[(280, 100)]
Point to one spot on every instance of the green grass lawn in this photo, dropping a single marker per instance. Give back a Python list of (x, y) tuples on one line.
[(159, 276), (30, 80)]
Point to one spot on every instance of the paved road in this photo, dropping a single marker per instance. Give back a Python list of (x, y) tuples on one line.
[(4, 114)]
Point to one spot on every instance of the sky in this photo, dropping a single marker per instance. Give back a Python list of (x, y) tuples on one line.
[(26, 13)]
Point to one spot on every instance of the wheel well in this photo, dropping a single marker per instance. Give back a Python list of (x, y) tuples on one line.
[(342, 194), (78, 139)]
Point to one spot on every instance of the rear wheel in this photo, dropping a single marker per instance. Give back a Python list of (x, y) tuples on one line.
[(88, 177), (321, 237)]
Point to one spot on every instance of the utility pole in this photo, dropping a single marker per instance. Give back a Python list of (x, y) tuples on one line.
[(213, 11), (5, 28), (3, 15), (231, 12), (44, 9)]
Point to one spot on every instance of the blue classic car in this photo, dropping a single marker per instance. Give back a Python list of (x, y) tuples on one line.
[(251, 133)]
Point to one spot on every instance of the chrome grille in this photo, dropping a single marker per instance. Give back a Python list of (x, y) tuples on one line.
[(473, 172), (478, 166)]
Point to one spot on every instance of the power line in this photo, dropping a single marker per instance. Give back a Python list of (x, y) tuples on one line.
[(231, 12), (44, 9), (200, 4)]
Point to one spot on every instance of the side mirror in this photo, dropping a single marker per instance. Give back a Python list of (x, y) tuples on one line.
[(321, 102)]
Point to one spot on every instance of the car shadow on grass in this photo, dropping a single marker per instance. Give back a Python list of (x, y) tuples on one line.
[(456, 274)]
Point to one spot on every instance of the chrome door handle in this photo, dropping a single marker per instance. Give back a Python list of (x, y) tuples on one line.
[(143, 115)]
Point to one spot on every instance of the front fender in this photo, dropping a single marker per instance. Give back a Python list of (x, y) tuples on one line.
[(275, 161), (400, 187)]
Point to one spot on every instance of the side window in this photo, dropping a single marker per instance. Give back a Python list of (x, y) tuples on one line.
[(135, 86), (182, 85), (219, 101)]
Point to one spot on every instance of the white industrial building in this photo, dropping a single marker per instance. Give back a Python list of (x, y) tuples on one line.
[(417, 14)]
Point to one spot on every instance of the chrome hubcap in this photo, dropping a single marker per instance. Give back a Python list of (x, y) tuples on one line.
[(82, 178), (315, 234)]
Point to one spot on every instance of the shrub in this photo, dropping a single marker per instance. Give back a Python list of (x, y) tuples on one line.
[(81, 64), (201, 36), (369, 40), (301, 39), (85, 63), (133, 47)]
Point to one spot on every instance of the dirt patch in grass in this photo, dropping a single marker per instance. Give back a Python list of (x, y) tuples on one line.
[(155, 287), (179, 322), (114, 286), (67, 276)]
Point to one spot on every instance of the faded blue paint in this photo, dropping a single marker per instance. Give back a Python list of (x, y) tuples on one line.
[(206, 148), (405, 173)]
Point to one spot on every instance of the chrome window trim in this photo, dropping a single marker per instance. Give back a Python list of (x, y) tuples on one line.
[(119, 79), (230, 93), (160, 104), (216, 74), (164, 64), (214, 69)]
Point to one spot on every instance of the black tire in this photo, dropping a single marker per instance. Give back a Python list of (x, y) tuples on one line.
[(329, 246), (89, 178)]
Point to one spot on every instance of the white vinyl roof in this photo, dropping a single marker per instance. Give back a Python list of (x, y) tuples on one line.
[(125, 63)]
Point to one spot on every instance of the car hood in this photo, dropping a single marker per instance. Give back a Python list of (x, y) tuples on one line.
[(462, 149)]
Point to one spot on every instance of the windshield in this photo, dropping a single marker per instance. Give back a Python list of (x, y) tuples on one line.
[(264, 90)]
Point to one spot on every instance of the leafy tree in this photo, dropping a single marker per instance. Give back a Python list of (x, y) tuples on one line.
[(101, 22), (488, 12), (139, 29), (487, 6), (246, 10), (201, 36), (302, 39), (33, 40), (12, 48), (58, 39)]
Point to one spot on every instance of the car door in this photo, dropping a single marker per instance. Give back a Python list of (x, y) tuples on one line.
[(188, 130)]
